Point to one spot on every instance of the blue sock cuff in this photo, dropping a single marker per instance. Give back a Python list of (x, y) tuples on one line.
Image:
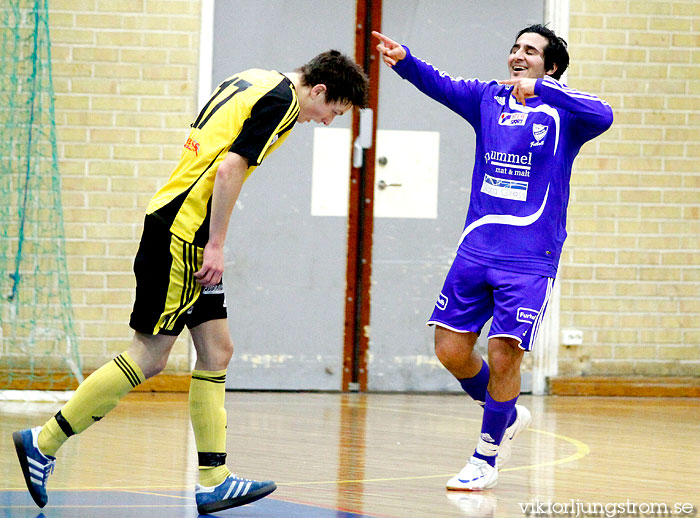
[(476, 386), (500, 406)]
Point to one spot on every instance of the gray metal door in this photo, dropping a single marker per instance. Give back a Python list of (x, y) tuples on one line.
[(411, 256), (285, 269)]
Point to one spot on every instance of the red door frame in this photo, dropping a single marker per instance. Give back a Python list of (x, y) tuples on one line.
[(368, 17)]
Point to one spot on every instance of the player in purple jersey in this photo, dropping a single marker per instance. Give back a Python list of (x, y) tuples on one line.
[(529, 128)]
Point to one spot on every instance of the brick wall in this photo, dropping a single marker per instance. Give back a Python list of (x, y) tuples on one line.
[(631, 267), (125, 75)]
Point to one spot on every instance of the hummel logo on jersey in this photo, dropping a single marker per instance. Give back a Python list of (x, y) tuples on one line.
[(274, 139), (441, 302), (512, 119), (500, 100), (499, 158)]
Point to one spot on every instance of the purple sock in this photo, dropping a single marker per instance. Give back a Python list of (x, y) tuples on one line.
[(476, 386), (497, 415), (513, 414)]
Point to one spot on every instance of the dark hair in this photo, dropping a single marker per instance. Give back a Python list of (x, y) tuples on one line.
[(554, 53), (344, 79)]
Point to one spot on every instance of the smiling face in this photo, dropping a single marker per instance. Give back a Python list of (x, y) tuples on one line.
[(526, 58), (318, 110)]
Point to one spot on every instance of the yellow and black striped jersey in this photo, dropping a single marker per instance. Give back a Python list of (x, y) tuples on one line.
[(250, 113)]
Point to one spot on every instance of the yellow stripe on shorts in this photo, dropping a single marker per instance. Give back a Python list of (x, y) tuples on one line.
[(183, 289)]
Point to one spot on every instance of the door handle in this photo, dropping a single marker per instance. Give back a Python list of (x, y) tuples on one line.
[(381, 185)]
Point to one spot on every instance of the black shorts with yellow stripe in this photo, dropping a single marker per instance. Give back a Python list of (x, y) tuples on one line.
[(168, 297)]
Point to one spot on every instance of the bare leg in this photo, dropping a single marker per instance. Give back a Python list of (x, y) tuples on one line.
[(151, 352), (213, 344), (456, 352), (505, 358)]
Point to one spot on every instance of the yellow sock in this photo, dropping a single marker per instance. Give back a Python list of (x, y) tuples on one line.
[(97, 395), (208, 416)]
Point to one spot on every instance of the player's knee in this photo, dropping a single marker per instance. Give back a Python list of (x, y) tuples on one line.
[(226, 352), (150, 352), (442, 353), (218, 357), (154, 366), (500, 368), (504, 359), (454, 350), (445, 352)]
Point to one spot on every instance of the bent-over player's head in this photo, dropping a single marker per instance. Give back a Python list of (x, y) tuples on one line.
[(538, 52), (344, 80)]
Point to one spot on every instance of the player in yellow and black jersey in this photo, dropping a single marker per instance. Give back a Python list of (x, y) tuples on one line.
[(180, 263), (250, 114)]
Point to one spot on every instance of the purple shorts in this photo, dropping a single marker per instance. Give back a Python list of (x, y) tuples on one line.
[(473, 293)]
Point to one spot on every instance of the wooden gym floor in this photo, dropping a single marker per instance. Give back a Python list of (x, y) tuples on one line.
[(370, 455)]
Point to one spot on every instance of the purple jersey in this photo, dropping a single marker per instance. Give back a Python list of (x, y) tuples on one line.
[(520, 184)]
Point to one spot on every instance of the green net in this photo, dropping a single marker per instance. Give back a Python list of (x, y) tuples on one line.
[(38, 342)]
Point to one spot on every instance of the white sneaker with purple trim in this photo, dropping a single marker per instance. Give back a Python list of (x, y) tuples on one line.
[(476, 475)]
